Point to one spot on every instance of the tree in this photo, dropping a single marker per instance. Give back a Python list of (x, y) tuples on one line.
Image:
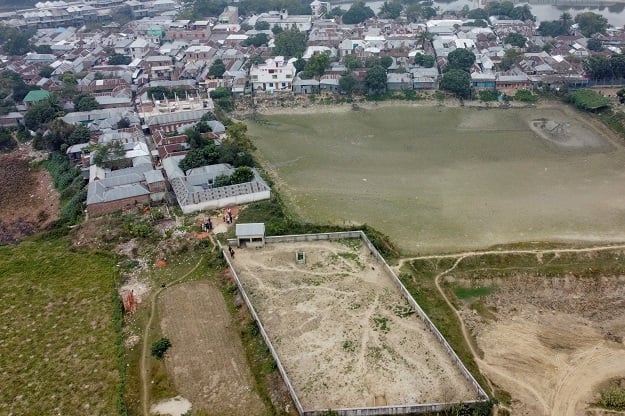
[(460, 59), (457, 82), (290, 43), (119, 59), (217, 69), (57, 134), (477, 14), (553, 28), (426, 61), (160, 347), (85, 102), (44, 49), (617, 63), (598, 67), (335, 12), (276, 29), (42, 112), (237, 135), (424, 38), (15, 41), (257, 40), (590, 23), (81, 134), (202, 156), (347, 83), (317, 64), (386, 62), (102, 153), (515, 39), (46, 71), (523, 13), (223, 98), (262, 25), (241, 174), (357, 13), (595, 45), (375, 79), (351, 61), (390, 10), (509, 59), (588, 100), (69, 78)]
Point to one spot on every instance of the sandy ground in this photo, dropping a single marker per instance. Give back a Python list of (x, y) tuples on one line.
[(344, 333), (554, 341), (178, 406), (206, 359)]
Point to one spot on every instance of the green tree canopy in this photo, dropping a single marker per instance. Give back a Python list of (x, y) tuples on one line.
[(457, 82), (591, 23), (290, 43), (598, 67), (102, 153), (201, 156), (347, 83), (375, 79), (588, 100), (262, 25), (515, 39), (316, 65), (357, 13), (242, 174), (460, 59), (42, 112), (352, 61), (390, 9), (386, 62), (217, 69), (46, 71), (118, 59), (257, 40), (426, 61), (594, 45), (477, 14), (85, 102)]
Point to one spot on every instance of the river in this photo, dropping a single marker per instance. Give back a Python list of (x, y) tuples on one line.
[(542, 9)]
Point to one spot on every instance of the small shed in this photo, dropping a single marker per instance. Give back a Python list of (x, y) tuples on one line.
[(251, 234)]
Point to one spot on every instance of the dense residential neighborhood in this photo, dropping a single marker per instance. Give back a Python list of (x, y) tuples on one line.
[(145, 82)]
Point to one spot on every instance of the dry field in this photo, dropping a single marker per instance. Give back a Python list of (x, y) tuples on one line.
[(206, 359), (345, 334), (28, 201), (552, 341)]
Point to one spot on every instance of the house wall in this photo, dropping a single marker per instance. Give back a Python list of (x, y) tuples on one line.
[(112, 206), (225, 202)]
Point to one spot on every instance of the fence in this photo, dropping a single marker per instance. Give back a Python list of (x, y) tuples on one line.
[(361, 411)]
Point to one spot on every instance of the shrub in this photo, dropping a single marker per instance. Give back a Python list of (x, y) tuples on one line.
[(159, 348), (489, 95), (525, 96), (613, 397)]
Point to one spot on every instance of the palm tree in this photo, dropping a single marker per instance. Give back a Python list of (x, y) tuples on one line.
[(565, 20), (423, 38)]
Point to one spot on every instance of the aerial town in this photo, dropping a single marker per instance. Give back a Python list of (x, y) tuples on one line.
[(311, 208)]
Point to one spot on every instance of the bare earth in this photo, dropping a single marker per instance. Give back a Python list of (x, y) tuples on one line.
[(206, 359), (554, 341), (345, 334)]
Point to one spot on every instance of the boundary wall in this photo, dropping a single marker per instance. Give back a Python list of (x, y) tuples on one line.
[(360, 411)]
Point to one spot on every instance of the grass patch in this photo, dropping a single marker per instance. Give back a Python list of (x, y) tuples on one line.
[(418, 278), (58, 346), (466, 293)]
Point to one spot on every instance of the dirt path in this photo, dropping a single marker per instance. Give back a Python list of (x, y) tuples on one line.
[(145, 384), (575, 374)]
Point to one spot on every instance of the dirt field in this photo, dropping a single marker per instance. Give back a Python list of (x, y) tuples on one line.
[(554, 340), (345, 334), (206, 359), (28, 201)]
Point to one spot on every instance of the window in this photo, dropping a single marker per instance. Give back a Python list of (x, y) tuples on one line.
[(274, 77)]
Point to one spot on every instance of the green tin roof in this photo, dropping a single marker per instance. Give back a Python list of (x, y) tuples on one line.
[(36, 95)]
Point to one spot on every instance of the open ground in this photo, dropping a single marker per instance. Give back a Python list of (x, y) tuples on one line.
[(345, 334), (207, 361), (443, 179), (548, 323)]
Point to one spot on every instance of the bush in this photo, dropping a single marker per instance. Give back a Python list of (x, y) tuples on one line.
[(160, 347), (525, 96), (613, 397), (489, 95)]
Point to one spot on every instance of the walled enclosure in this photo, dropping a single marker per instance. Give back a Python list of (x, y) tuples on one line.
[(408, 357)]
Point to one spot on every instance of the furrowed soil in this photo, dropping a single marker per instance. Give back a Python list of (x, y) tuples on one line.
[(345, 334), (28, 200), (207, 360), (438, 179), (551, 342)]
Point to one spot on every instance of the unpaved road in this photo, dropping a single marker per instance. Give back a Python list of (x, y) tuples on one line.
[(550, 361)]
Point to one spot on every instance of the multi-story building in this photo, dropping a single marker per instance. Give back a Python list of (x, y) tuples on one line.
[(274, 75)]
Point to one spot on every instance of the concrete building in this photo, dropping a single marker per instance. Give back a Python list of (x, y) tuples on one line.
[(274, 75)]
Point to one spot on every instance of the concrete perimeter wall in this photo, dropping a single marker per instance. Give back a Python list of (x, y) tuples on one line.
[(361, 411)]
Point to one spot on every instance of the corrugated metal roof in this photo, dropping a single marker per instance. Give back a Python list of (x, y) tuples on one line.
[(250, 229)]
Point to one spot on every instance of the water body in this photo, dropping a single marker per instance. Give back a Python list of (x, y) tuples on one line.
[(542, 9), (440, 179)]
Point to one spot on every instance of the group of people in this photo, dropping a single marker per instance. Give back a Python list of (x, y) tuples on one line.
[(208, 225), (228, 216)]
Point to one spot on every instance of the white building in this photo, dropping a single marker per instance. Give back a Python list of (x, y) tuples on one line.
[(274, 75), (139, 48)]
